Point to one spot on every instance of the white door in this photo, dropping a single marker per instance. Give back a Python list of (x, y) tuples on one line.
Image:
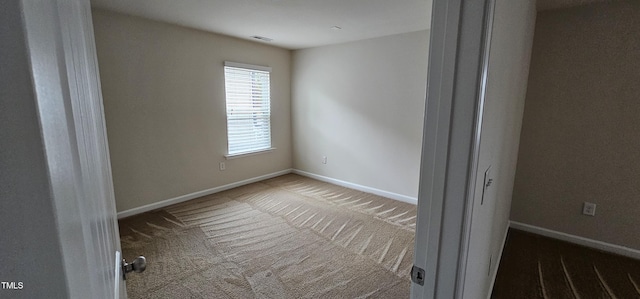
[(61, 49)]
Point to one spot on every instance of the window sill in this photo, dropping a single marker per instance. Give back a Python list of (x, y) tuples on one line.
[(240, 155)]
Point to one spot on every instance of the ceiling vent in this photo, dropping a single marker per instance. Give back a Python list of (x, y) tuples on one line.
[(262, 38)]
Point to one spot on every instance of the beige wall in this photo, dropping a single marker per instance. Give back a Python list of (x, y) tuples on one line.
[(510, 54), (361, 104), (580, 138), (163, 88)]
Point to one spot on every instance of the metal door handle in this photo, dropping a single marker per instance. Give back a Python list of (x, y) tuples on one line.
[(138, 265)]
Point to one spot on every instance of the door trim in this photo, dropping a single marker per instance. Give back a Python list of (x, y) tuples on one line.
[(453, 116), (477, 134)]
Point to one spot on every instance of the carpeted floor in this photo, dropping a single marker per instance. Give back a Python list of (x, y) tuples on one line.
[(287, 237), (534, 266)]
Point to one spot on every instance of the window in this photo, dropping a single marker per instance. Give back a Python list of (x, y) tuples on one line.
[(248, 100)]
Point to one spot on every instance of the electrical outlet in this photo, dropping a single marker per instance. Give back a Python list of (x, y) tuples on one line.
[(222, 166), (589, 209), (324, 159)]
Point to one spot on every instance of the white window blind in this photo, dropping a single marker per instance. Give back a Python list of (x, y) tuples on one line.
[(248, 98)]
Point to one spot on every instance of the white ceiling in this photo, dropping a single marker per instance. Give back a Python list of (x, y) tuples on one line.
[(292, 24)]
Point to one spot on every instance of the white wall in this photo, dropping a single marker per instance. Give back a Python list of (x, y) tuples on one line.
[(361, 104), (163, 89), (512, 37)]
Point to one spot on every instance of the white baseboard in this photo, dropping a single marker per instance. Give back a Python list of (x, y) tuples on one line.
[(494, 271), (183, 198), (608, 247), (391, 195)]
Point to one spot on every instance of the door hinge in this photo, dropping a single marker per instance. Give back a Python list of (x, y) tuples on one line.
[(417, 275)]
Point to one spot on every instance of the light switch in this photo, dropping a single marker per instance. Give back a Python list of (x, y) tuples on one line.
[(488, 180)]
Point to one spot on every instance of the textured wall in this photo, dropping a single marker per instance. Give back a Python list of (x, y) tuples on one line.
[(512, 37), (580, 138), (556, 4), (163, 89), (361, 104)]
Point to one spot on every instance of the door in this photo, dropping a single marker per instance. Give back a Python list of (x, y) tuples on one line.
[(61, 50)]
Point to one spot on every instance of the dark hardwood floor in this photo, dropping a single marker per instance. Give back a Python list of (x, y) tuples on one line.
[(535, 266)]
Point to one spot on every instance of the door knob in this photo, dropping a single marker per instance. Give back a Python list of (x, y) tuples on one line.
[(138, 265)]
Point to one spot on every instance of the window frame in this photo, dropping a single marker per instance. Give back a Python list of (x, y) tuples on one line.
[(248, 67)]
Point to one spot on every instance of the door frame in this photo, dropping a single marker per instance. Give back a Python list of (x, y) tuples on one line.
[(456, 86), (59, 36)]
